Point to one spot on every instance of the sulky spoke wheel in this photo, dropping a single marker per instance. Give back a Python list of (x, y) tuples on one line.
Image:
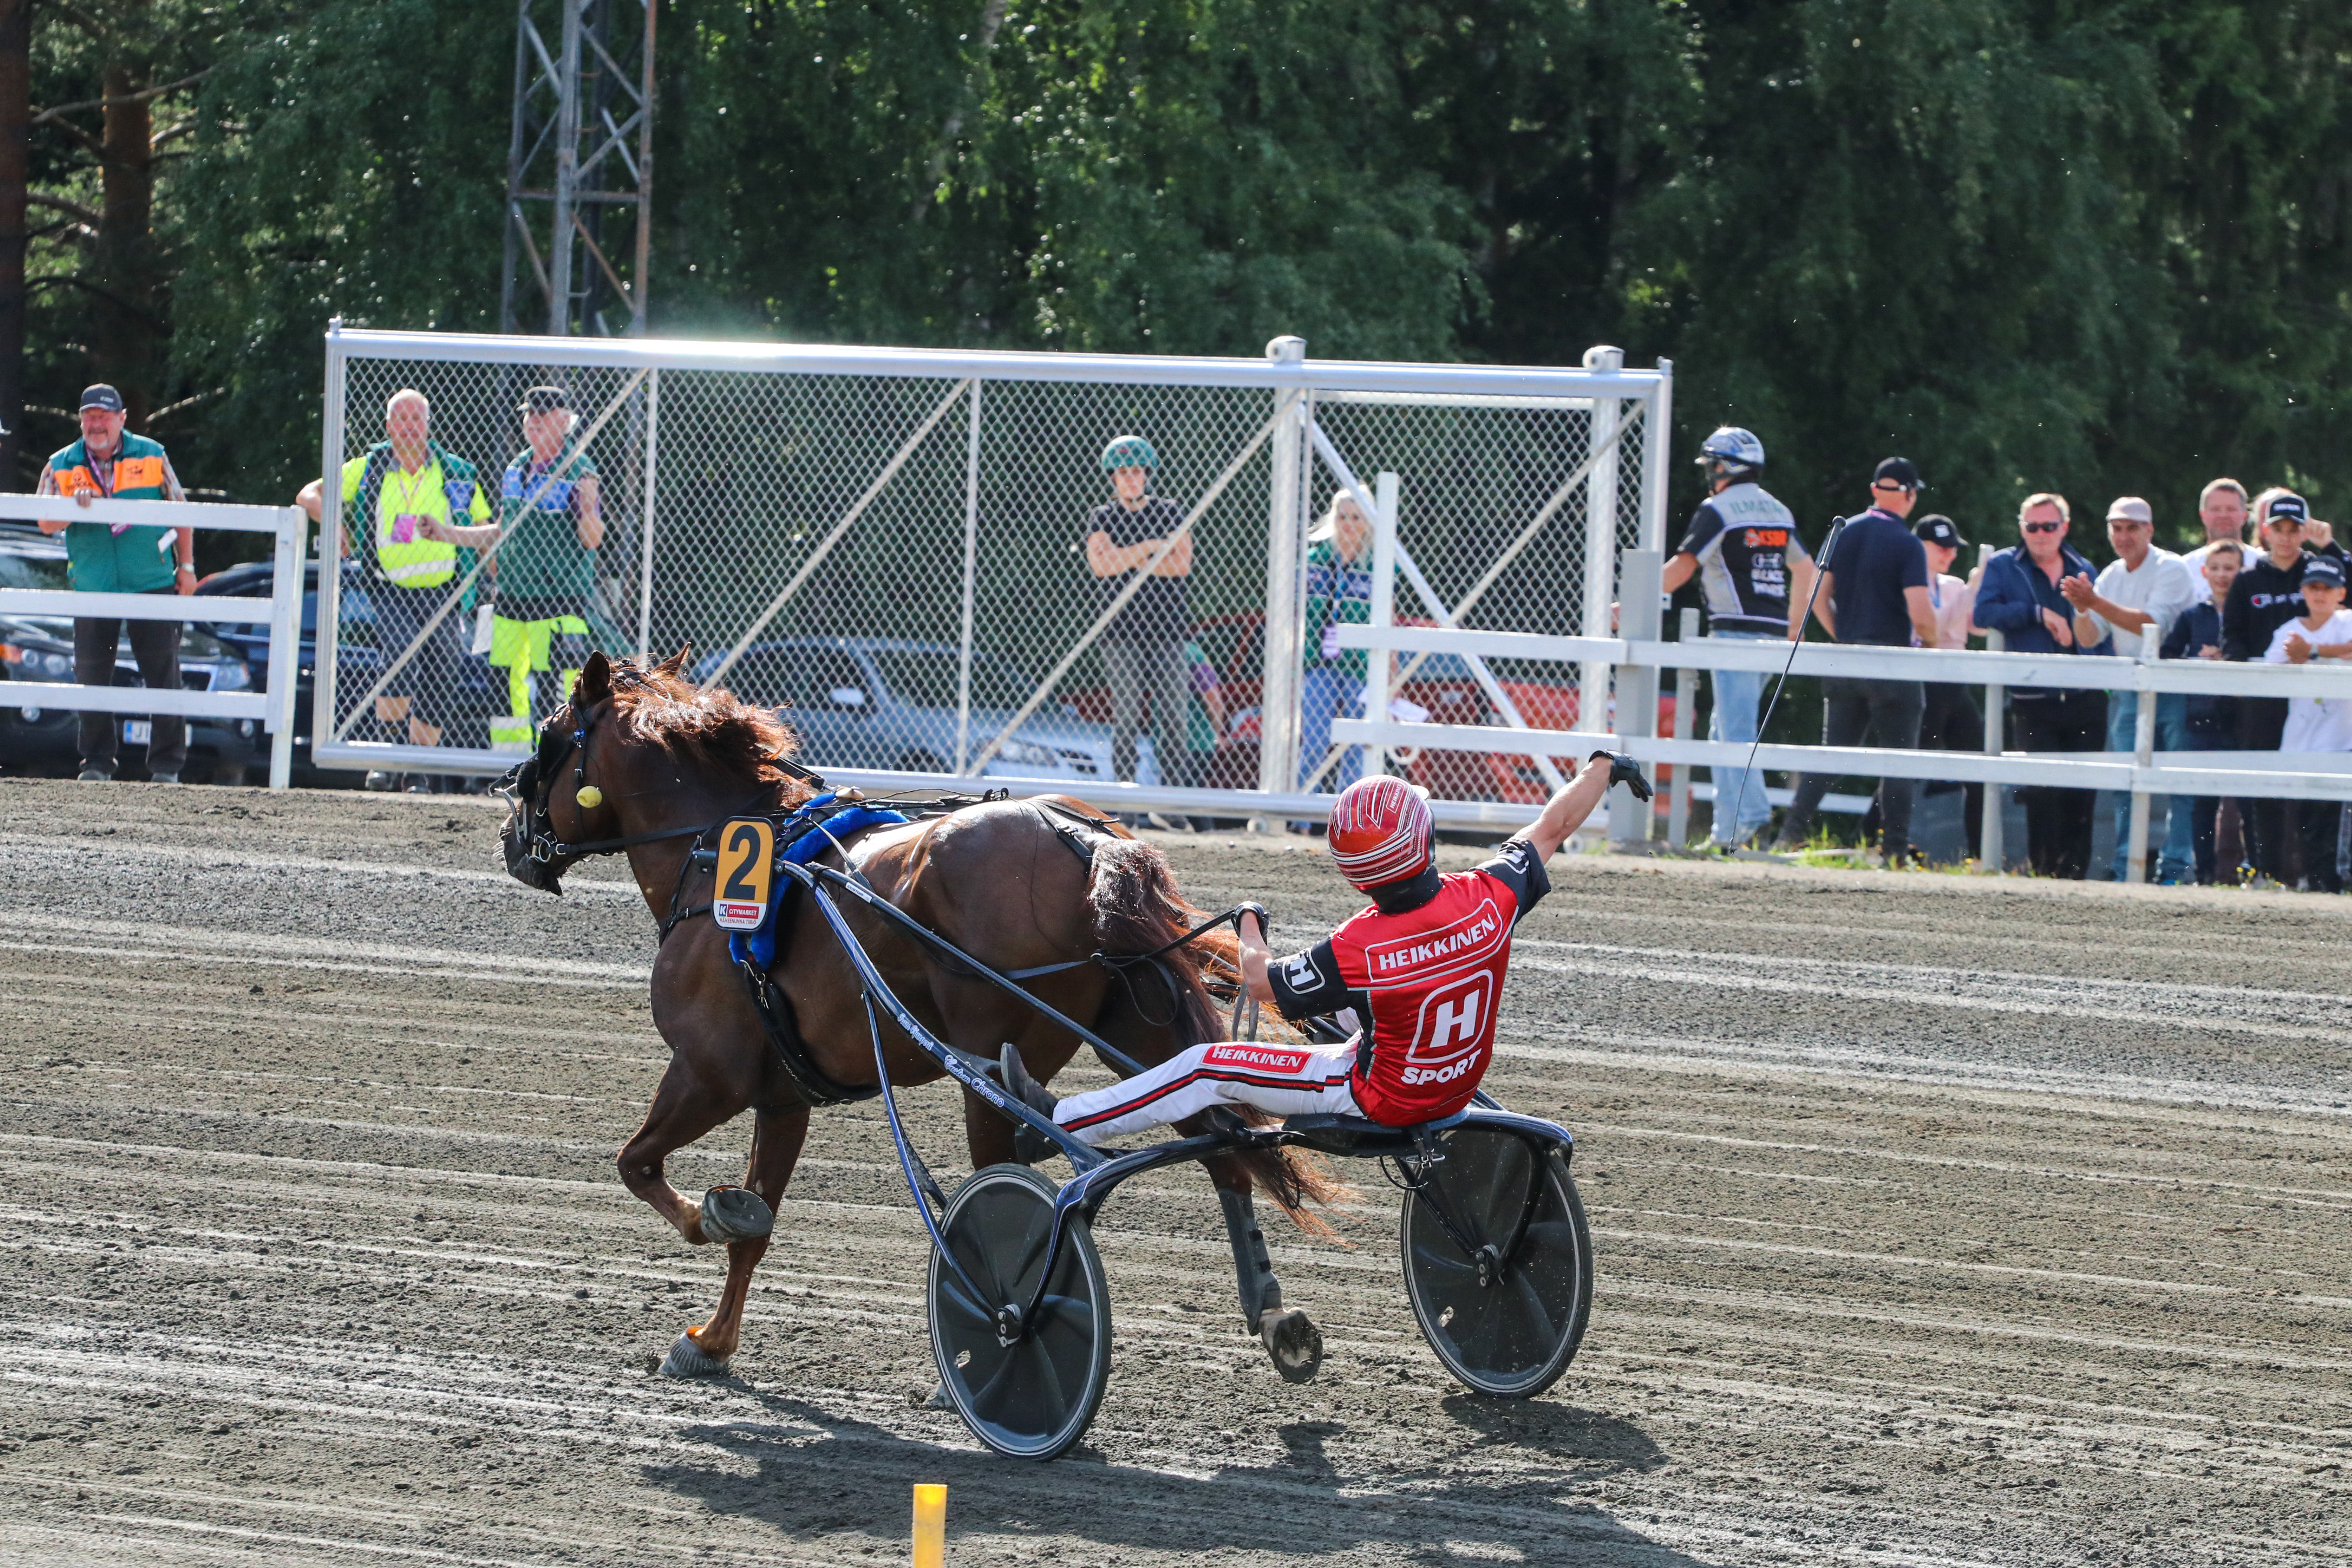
[(1498, 1262), (1026, 1387)]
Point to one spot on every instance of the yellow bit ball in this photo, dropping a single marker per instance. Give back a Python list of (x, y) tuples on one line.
[(590, 797)]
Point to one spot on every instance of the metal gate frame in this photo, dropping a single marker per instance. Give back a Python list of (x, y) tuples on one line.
[(1285, 377)]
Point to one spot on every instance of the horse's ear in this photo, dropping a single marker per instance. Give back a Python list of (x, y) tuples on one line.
[(595, 682), (675, 663)]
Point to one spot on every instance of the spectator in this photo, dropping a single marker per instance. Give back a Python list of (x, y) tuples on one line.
[(1338, 593), (547, 536), (1204, 716), (2211, 721), (2317, 723), (393, 495), (2267, 594), (1143, 646), (2221, 508), (1873, 594), (1950, 721), (2019, 598), (2133, 605), (1755, 575), (123, 558)]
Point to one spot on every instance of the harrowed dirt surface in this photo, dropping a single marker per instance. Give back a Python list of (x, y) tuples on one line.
[(1940, 1221)]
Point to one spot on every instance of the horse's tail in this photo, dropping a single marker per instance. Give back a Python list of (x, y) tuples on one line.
[(1137, 908)]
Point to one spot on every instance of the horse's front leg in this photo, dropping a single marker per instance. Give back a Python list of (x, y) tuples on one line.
[(776, 1142), (685, 1107)]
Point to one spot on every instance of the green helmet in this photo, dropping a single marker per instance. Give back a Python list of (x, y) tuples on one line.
[(1129, 452)]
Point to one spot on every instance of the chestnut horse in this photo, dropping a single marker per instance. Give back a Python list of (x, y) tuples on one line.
[(643, 761)]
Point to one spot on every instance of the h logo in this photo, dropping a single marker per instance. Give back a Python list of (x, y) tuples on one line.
[(1453, 1018)]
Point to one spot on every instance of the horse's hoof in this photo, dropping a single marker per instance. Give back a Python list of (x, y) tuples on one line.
[(1294, 1343), (686, 1359), (735, 1213), (939, 1399)]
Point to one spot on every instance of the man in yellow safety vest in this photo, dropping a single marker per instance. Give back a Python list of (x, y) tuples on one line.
[(400, 498)]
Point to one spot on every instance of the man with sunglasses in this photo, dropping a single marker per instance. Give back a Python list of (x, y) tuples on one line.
[(2021, 598), (1874, 593)]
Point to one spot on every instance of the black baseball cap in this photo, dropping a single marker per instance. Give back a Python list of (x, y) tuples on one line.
[(2318, 568), (1897, 471), (102, 397), (2288, 506), (540, 399), (1936, 528)]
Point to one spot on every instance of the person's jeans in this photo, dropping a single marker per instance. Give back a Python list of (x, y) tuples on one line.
[(1740, 805), (155, 648), (2176, 858), (2058, 821), (1326, 694), (1951, 724), (1153, 673), (2201, 813), (1885, 711), (2261, 723)]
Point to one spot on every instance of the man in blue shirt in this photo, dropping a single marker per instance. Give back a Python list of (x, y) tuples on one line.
[(1873, 594), (2020, 597)]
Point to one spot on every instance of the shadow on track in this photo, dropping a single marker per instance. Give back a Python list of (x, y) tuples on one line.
[(816, 1474)]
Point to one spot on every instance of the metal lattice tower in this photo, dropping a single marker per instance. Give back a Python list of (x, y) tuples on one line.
[(580, 168)]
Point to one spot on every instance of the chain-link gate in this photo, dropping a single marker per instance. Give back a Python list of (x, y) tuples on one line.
[(891, 547)]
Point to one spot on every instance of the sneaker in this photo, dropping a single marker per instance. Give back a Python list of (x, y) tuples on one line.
[(96, 776), (383, 783), (164, 778)]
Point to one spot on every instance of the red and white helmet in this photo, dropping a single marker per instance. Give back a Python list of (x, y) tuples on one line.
[(1380, 831)]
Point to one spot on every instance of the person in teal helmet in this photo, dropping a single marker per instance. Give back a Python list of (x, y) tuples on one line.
[(1143, 646)]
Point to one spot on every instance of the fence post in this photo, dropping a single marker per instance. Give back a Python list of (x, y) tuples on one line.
[(1637, 687), (1656, 440), (970, 581), (646, 530), (2143, 756), (285, 638), (1600, 541), (1277, 756), (1377, 661), (330, 546), (1678, 793), (1991, 855)]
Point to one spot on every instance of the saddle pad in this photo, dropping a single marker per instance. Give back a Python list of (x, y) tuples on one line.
[(805, 834)]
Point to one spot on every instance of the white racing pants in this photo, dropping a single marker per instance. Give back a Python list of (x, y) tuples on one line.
[(1282, 1080)]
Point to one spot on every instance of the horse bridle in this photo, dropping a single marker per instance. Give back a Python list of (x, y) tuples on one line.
[(531, 785)]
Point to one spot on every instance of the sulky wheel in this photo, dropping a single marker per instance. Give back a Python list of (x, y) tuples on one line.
[(1498, 1262), (1026, 1387)]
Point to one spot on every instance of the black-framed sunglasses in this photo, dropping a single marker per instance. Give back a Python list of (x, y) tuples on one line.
[(2043, 527)]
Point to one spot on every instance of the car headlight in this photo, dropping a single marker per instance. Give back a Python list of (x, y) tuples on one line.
[(56, 664), (1028, 755), (231, 675)]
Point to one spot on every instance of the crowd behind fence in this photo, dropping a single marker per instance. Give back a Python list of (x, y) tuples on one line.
[(892, 547)]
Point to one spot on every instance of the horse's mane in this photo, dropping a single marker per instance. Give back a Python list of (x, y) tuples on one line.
[(708, 726)]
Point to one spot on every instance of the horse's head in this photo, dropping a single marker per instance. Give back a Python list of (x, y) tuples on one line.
[(554, 804)]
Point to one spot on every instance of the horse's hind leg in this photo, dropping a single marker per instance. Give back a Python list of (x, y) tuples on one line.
[(776, 1143), (1290, 1337)]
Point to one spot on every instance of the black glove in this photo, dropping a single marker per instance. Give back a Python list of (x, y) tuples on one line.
[(1264, 920), (1624, 769)]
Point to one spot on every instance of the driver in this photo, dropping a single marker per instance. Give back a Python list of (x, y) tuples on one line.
[(1422, 967)]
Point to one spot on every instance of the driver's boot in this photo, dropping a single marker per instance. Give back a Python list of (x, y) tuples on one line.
[(1029, 1145)]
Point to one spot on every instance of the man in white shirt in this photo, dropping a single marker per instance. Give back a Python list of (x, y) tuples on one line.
[(2134, 603), (2222, 508)]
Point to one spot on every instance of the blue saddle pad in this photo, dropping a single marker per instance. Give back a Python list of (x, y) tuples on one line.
[(805, 834)]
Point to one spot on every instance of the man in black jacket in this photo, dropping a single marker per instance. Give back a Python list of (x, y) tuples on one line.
[(2267, 594)]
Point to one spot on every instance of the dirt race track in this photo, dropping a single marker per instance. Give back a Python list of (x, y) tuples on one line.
[(1940, 1222)]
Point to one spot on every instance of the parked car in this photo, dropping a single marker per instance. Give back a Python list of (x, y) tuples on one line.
[(885, 703), (1443, 685), (39, 650)]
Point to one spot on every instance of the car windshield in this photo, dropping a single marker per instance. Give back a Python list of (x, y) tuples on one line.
[(31, 566), (926, 678)]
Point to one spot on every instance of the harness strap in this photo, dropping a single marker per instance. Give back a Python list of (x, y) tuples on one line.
[(789, 1051)]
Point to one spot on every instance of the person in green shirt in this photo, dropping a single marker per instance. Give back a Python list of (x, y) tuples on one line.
[(121, 558), (546, 534), (397, 499)]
